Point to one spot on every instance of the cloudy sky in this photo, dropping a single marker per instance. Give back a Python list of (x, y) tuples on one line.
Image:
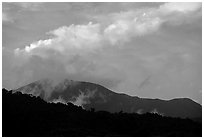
[(143, 49)]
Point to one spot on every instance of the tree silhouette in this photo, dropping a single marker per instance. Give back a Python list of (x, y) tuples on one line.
[(25, 115)]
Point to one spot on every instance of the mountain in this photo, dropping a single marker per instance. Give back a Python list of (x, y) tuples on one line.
[(90, 95), (25, 115)]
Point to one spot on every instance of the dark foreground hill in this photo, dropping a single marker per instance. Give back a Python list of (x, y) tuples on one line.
[(25, 115), (90, 95)]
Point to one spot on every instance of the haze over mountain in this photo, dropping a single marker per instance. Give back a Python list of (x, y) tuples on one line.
[(90, 95)]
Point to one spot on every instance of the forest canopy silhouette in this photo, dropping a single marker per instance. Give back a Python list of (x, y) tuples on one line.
[(26, 115)]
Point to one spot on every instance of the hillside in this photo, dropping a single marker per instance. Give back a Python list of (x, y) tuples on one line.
[(26, 115), (90, 95)]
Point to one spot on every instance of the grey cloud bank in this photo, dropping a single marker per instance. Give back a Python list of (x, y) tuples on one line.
[(148, 50)]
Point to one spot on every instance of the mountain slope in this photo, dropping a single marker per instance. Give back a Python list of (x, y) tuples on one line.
[(27, 116), (90, 95)]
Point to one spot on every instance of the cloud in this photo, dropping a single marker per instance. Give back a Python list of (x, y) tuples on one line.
[(8, 14), (182, 7), (59, 100), (6, 18), (122, 30), (30, 6), (155, 111), (84, 97), (5, 15), (125, 26), (139, 111), (70, 39), (179, 13), (84, 51)]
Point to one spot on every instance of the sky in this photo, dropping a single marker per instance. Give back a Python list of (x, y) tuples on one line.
[(150, 50)]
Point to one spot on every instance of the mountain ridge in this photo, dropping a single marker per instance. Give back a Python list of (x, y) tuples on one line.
[(91, 95)]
